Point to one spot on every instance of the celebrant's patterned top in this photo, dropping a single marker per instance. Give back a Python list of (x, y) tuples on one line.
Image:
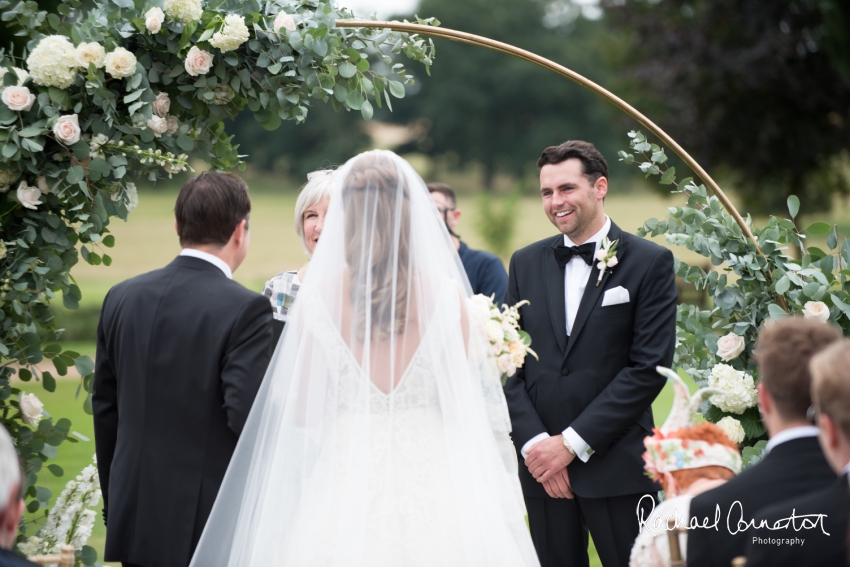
[(281, 291)]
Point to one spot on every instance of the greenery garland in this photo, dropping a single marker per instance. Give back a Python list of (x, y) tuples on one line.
[(128, 89)]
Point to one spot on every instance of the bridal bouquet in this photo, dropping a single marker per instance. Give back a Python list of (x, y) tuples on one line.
[(70, 520), (508, 342)]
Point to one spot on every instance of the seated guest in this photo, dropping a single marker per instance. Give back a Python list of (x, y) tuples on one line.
[(794, 463), (686, 459), (11, 502), (821, 539), (485, 271), (310, 210)]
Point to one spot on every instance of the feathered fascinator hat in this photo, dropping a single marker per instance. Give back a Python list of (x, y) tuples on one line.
[(666, 453)]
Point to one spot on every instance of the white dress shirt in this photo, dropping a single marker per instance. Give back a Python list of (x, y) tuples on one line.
[(576, 274), (214, 260), (789, 435)]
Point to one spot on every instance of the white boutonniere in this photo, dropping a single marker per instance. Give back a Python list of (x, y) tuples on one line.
[(607, 256)]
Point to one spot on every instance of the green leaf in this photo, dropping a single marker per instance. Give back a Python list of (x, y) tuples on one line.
[(24, 374), (793, 206), (818, 228), (396, 89), (186, 143), (783, 285), (75, 175), (61, 367), (87, 405), (347, 70), (49, 381), (30, 131), (55, 470), (776, 312), (88, 555), (366, 110), (668, 177), (84, 365)]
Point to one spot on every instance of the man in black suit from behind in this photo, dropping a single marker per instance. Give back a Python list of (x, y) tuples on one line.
[(580, 413), (794, 463), (823, 542), (181, 353)]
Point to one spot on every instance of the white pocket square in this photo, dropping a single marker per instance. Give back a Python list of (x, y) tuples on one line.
[(615, 296)]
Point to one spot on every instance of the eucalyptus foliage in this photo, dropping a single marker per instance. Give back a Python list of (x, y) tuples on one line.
[(69, 188), (747, 288)]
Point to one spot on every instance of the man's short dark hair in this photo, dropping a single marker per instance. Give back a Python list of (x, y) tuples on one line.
[(783, 351), (209, 207), (593, 165), (444, 189)]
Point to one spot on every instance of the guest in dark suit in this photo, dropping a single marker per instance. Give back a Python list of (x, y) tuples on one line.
[(181, 353), (823, 542), (794, 463), (11, 502), (485, 271), (580, 413)]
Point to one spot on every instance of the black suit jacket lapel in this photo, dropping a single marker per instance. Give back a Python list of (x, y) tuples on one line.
[(555, 299), (593, 291)]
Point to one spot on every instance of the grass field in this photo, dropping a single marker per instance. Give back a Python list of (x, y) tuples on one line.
[(148, 241)]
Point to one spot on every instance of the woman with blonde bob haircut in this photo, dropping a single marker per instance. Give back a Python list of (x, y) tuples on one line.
[(310, 210)]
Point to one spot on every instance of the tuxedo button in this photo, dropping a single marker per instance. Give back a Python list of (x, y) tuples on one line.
[(565, 371)]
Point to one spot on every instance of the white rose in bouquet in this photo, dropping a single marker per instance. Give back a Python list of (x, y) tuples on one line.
[(738, 389), (494, 331), (28, 196), (506, 364), (6, 179), (53, 62), (232, 35), (158, 125), (480, 306), (184, 11), (732, 428), (284, 20), (612, 261), (154, 19), (67, 129), (32, 410), (161, 105), (120, 63), (90, 53), (19, 99), (816, 310), (198, 61), (173, 123), (730, 347)]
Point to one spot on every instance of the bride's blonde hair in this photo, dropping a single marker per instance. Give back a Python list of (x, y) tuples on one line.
[(371, 194)]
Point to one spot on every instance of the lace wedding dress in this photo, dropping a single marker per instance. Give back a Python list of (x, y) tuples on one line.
[(380, 436)]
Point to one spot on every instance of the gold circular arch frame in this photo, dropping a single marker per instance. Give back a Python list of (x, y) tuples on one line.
[(471, 39)]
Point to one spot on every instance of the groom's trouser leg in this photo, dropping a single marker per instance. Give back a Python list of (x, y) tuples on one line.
[(613, 525), (557, 531)]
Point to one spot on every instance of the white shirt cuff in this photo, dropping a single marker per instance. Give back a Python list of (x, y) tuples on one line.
[(531, 442), (582, 449)]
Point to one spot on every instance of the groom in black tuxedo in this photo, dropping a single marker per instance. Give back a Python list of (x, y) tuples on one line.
[(181, 353), (581, 412)]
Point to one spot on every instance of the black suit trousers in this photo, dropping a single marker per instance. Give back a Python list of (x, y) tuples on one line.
[(560, 526)]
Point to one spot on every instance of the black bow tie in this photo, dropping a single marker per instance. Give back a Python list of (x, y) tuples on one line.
[(563, 254)]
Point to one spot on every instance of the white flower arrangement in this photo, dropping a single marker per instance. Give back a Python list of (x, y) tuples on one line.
[(607, 257), (233, 34), (737, 387), (732, 428), (184, 11), (508, 343), (72, 517), (53, 62)]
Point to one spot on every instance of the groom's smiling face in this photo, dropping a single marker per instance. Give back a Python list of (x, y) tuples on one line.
[(572, 203)]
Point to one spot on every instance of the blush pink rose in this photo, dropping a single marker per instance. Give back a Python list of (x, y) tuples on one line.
[(198, 61)]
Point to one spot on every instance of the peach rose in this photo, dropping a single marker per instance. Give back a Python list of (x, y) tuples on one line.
[(161, 105), (284, 20), (158, 124), (67, 129), (153, 20), (198, 61), (730, 347), (816, 310), (19, 99)]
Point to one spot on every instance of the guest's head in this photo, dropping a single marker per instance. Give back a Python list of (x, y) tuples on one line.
[(446, 201), (11, 500), (831, 396), (573, 184), (211, 214), (783, 351), (312, 206)]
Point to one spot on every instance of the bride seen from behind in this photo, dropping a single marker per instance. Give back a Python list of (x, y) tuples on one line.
[(380, 435)]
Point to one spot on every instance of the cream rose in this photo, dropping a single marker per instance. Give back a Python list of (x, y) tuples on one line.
[(158, 124), (816, 310), (28, 196), (173, 124), (161, 105), (198, 61), (284, 20), (19, 99), (506, 365), (120, 63), (732, 428), (67, 129), (32, 410), (494, 331), (42, 185), (90, 53), (730, 347), (154, 19)]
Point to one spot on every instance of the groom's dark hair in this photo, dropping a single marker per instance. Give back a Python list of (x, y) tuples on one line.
[(209, 207), (593, 164)]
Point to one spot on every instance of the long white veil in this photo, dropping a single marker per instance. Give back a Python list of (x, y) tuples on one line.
[(380, 435)]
